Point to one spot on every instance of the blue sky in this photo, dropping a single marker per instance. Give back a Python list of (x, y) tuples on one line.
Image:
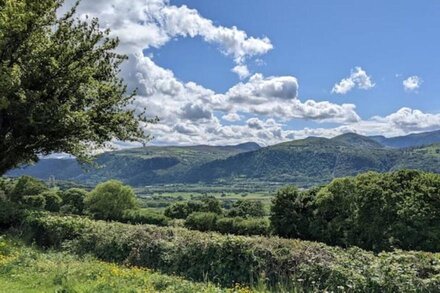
[(319, 42), (182, 52)]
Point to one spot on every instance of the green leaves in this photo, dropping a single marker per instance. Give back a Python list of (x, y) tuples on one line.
[(60, 86)]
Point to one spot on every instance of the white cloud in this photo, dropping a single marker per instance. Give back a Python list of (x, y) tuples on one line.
[(358, 78), (186, 109), (412, 83), (231, 117), (153, 23), (241, 70)]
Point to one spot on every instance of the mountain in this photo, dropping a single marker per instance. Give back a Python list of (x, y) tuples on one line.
[(317, 160), (411, 140), (303, 162), (137, 166)]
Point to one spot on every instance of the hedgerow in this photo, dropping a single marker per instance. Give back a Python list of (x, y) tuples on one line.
[(227, 260)]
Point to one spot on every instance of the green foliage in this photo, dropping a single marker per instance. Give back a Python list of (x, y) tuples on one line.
[(6, 187), (181, 210), (10, 214), (35, 201), (26, 186), (247, 208), (109, 200), (373, 211), (52, 199), (243, 226), (144, 216), (73, 201), (202, 221), (27, 269), (228, 260), (60, 85)]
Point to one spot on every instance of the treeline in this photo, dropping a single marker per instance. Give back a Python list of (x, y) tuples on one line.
[(374, 211)]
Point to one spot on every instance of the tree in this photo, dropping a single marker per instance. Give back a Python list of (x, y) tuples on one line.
[(26, 186), (247, 208), (285, 217), (60, 90), (52, 199), (109, 200), (73, 200)]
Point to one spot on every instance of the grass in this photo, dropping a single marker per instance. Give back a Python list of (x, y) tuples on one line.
[(26, 269)]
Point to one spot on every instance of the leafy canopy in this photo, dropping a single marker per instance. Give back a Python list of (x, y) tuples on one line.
[(60, 90), (109, 200)]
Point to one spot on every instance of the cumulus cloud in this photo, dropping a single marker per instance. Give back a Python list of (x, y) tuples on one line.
[(412, 83), (231, 117), (357, 79), (241, 70), (153, 23), (188, 111)]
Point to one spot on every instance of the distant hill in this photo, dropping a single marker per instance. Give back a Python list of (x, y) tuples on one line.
[(137, 166), (303, 162), (411, 140)]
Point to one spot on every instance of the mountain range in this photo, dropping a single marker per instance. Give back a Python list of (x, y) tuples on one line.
[(304, 162)]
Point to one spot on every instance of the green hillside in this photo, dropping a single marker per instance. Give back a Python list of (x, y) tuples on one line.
[(303, 162), (138, 166)]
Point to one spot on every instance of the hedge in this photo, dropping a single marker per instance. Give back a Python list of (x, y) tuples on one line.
[(227, 225), (227, 259), (143, 216)]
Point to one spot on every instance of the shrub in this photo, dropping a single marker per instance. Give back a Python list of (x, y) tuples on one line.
[(26, 186), (181, 210), (52, 200), (202, 221), (73, 201), (372, 210), (109, 200), (247, 208), (143, 216), (34, 201), (6, 187), (228, 260), (10, 214), (243, 226)]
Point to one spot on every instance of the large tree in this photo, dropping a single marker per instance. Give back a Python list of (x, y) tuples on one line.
[(59, 85)]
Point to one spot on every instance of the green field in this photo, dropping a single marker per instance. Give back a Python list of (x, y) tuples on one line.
[(28, 269)]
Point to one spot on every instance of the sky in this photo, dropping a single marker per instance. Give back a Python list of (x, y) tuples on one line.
[(233, 71)]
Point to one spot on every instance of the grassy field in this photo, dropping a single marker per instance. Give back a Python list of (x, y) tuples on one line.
[(27, 269)]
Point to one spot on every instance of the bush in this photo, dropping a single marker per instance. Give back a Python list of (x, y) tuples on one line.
[(109, 200), (292, 213), (6, 187), (247, 208), (26, 186), (10, 214), (52, 200), (228, 260), (243, 226), (181, 210), (372, 210), (34, 201), (73, 201), (143, 216), (202, 221)]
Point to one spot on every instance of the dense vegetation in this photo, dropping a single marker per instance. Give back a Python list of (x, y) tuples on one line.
[(227, 260), (302, 162), (28, 269), (60, 85), (372, 210)]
